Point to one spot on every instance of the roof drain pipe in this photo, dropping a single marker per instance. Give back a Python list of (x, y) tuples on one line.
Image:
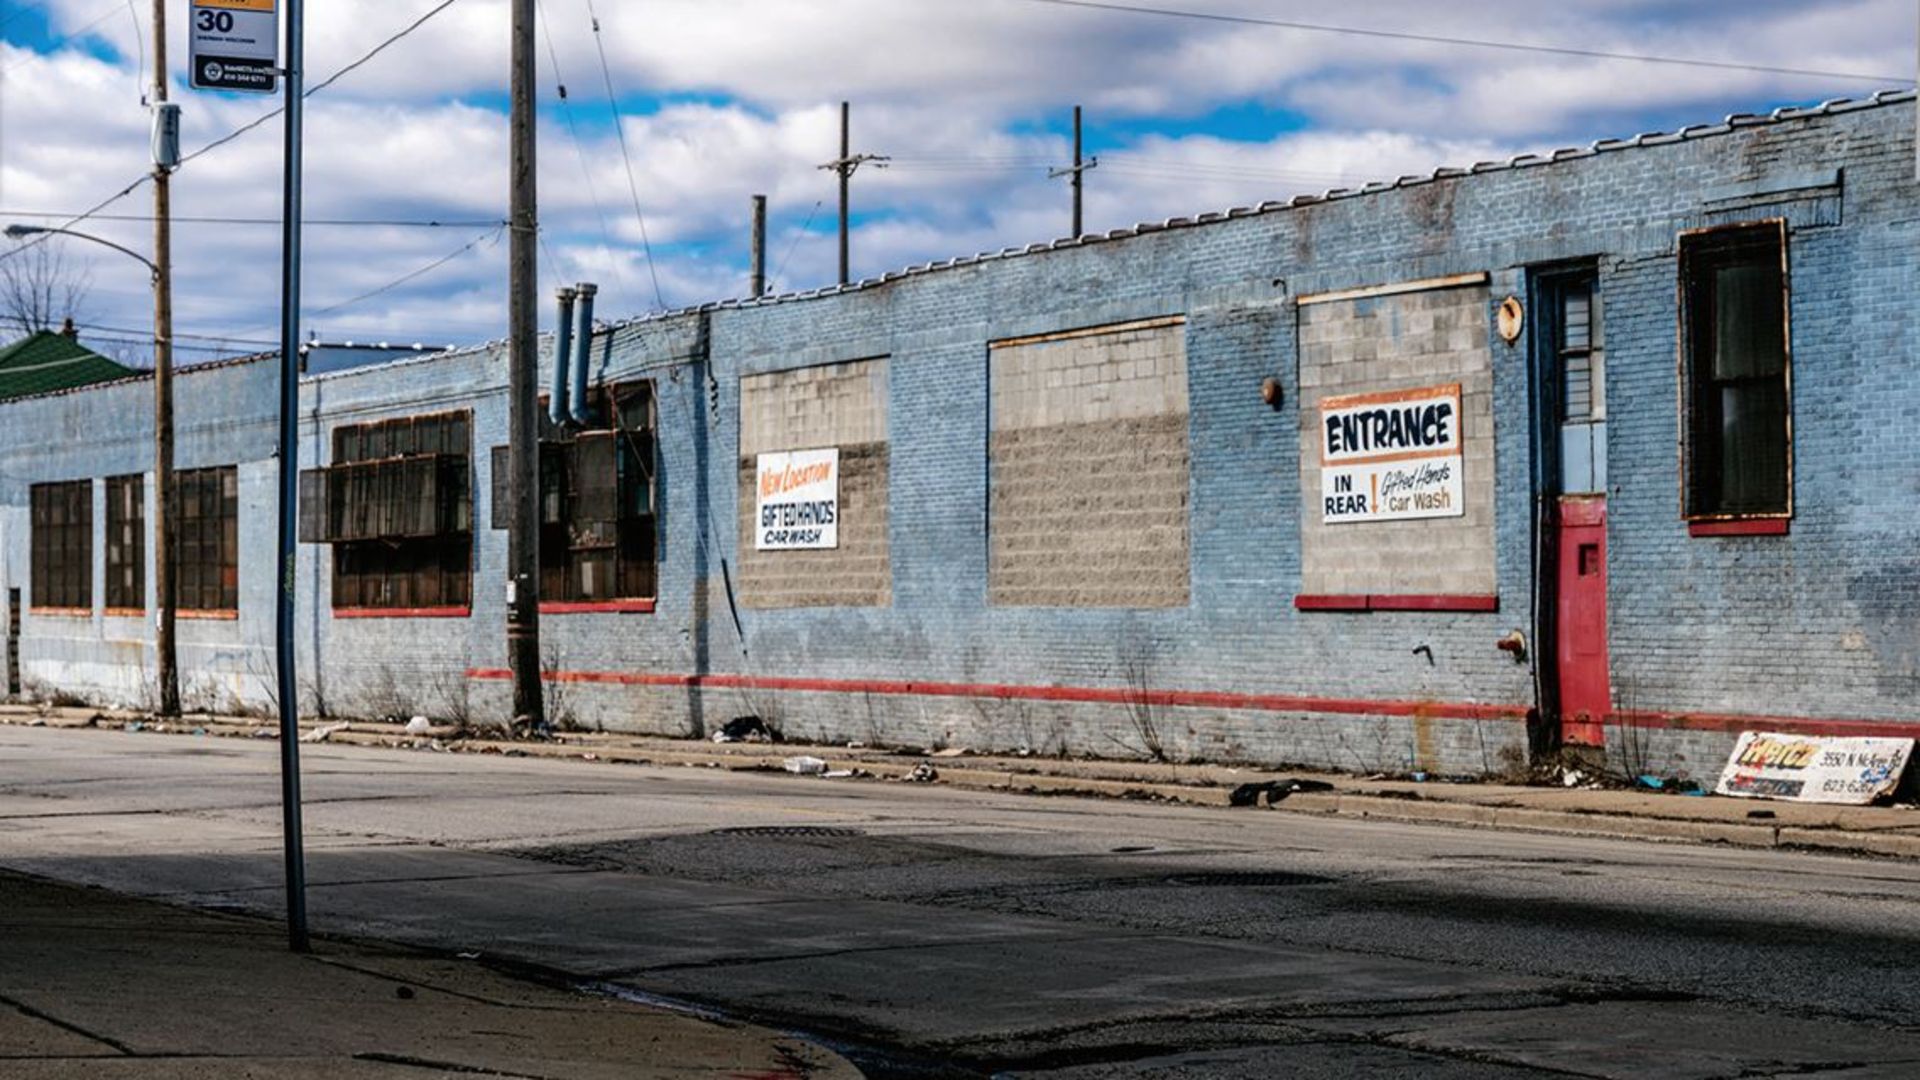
[(584, 345), (557, 408)]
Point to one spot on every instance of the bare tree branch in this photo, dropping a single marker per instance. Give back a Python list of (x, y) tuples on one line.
[(40, 288)]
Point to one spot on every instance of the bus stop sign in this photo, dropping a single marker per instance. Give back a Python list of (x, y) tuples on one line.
[(235, 45)]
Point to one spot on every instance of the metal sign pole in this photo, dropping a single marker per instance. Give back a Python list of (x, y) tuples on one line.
[(290, 492)]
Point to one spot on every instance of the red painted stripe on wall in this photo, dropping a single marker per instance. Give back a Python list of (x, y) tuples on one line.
[(1194, 699), (1204, 699)]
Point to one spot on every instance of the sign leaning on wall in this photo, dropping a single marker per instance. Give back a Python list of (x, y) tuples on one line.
[(798, 500), (1808, 768), (1392, 456)]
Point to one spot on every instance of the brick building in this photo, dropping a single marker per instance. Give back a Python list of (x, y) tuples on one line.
[(1613, 446)]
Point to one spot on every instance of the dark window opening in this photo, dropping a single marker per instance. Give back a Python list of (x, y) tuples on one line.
[(1738, 408), (209, 538), (598, 538), (61, 559), (126, 543), (397, 506), (1582, 377)]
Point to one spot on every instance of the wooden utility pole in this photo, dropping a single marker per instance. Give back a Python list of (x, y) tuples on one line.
[(166, 591), (523, 433), (1077, 172), (846, 165)]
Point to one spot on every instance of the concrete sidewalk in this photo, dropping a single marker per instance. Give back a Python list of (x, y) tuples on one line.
[(93, 984), (1581, 810)]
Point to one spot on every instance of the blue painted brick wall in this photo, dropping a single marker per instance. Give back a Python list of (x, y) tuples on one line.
[(1821, 624)]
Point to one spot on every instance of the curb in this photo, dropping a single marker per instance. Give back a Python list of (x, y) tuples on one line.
[(953, 773)]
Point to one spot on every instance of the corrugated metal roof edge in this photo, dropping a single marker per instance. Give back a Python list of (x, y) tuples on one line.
[(1734, 122)]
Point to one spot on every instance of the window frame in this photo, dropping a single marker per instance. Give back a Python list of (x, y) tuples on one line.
[(1704, 522), (134, 524), (41, 548), (561, 493), (368, 446), (224, 545)]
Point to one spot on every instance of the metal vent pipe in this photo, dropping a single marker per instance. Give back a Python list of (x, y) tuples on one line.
[(584, 349), (557, 408)]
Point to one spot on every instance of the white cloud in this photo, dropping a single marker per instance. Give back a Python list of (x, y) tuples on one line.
[(955, 91)]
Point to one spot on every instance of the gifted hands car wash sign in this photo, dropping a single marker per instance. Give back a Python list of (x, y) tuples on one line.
[(799, 500), (1392, 456)]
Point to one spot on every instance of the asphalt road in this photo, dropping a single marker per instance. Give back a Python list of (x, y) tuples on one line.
[(927, 931)]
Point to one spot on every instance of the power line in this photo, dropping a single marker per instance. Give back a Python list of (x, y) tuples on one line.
[(619, 129), (797, 237), (323, 84), (491, 234), (380, 223), (579, 149), (222, 141), (135, 331), (1471, 43), (70, 35)]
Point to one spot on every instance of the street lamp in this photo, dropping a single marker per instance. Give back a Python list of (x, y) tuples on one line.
[(164, 580), (20, 232)]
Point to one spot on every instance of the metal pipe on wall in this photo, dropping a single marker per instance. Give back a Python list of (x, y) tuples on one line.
[(758, 272), (583, 346), (558, 409)]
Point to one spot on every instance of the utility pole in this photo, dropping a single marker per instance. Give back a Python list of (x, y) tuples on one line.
[(283, 644), (165, 548), (1077, 172), (846, 165), (523, 434), (758, 274)]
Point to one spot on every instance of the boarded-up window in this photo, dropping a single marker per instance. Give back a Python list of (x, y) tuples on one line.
[(62, 556), (126, 543), (397, 506), (209, 537), (1738, 404), (841, 407), (1089, 466), (598, 526)]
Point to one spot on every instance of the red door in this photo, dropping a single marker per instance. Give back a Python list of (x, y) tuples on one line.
[(1586, 691)]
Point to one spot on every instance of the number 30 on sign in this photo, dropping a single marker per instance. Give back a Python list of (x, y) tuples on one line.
[(235, 45)]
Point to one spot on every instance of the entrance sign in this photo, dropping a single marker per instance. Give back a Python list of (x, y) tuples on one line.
[(1392, 456), (1806, 768), (798, 506), (234, 45)]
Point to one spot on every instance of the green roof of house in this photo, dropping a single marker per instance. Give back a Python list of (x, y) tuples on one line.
[(44, 362)]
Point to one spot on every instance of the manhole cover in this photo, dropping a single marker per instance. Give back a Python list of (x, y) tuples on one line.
[(788, 831), (1272, 879)]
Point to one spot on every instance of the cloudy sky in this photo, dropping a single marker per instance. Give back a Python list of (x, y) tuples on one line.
[(720, 100)]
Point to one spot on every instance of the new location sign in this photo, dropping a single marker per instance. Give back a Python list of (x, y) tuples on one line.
[(235, 45)]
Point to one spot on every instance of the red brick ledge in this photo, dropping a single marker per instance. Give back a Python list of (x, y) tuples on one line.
[(1747, 527), (208, 615), (1387, 602), (403, 613), (598, 607)]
